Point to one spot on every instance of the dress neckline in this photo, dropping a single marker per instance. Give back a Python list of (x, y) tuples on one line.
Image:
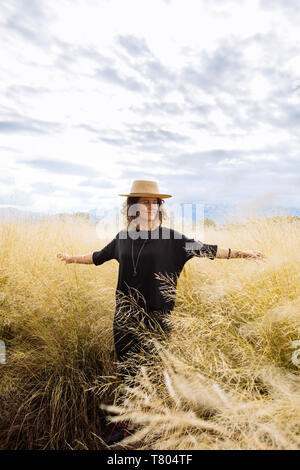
[(149, 232)]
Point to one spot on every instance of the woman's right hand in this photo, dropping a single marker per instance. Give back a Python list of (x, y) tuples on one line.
[(65, 257)]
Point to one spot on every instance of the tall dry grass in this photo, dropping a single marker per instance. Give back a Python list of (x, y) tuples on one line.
[(56, 322), (225, 379)]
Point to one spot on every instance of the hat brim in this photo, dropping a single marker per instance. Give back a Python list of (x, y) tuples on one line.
[(163, 196)]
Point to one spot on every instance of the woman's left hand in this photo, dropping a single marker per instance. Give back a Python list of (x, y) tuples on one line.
[(253, 254)]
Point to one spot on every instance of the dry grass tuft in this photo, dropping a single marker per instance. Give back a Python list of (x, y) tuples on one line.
[(227, 379)]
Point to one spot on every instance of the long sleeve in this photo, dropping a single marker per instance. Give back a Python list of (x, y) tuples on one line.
[(107, 253), (189, 248)]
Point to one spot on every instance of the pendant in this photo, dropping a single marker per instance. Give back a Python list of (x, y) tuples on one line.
[(134, 273)]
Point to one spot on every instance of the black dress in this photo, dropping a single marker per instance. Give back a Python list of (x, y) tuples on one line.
[(144, 302)]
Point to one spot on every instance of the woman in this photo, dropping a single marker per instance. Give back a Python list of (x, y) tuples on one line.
[(145, 251)]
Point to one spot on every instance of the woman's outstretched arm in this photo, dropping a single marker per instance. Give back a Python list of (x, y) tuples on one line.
[(110, 251), (81, 259), (223, 253)]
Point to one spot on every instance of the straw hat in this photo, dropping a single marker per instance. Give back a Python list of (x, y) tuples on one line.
[(145, 188)]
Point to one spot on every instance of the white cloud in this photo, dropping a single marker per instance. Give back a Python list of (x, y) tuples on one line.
[(115, 85)]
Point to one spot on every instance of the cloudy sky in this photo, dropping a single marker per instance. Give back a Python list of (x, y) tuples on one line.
[(200, 95)]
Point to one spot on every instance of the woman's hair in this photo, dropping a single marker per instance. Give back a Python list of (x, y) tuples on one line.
[(162, 213)]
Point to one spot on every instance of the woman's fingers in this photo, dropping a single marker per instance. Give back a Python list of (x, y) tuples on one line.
[(254, 254), (260, 255), (63, 256)]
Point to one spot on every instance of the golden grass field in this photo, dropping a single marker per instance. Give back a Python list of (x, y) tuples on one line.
[(224, 380)]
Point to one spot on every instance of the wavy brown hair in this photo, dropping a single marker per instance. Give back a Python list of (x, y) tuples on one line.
[(162, 213)]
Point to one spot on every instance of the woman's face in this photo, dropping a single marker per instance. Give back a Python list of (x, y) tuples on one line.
[(148, 207)]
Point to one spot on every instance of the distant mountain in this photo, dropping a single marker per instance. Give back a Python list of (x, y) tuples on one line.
[(216, 212), (11, 213), (221, 212)]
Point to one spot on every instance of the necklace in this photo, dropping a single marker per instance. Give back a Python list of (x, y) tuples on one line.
[(135, 265)]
